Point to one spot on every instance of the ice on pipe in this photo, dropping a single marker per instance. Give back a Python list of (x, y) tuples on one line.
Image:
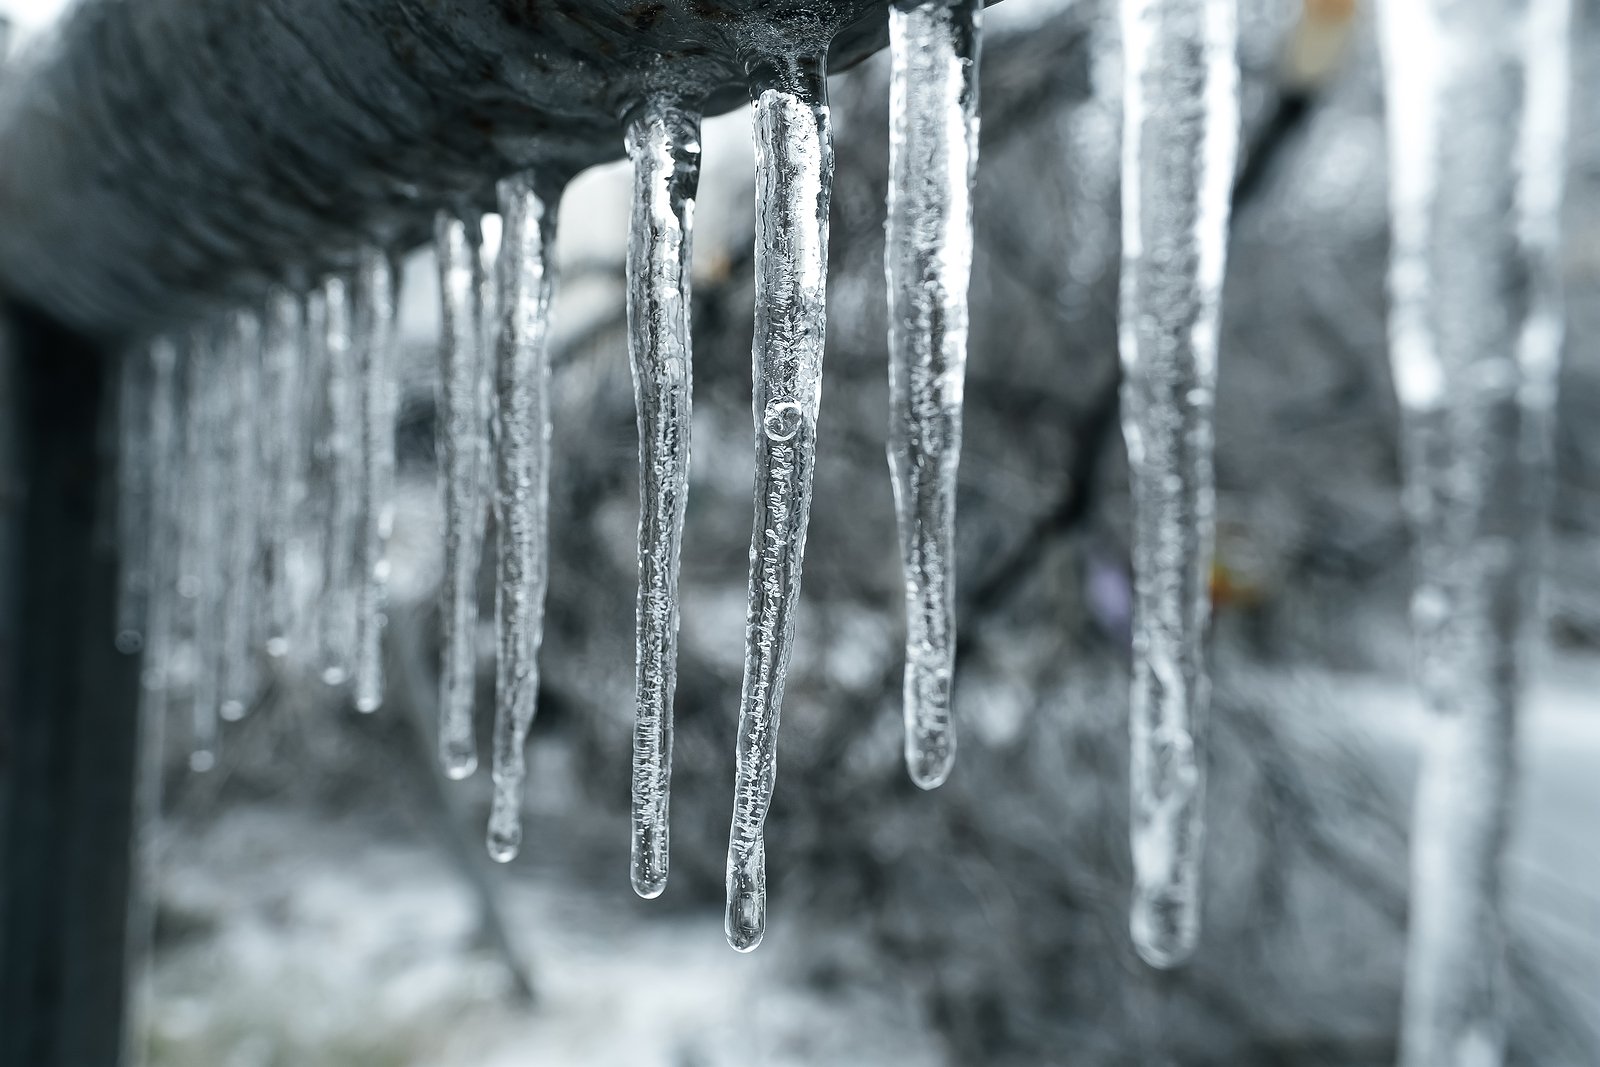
[(1180, 133), (135, 497), (282, 438), (376, 307), (463, 450), (794, 179), (522, 488), (337, 621), (933, 155), (1477, 106), (663, 144), (241, 374)]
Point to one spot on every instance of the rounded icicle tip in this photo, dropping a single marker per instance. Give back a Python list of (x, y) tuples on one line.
[(202, 760), (1164, 928), (745, 922), (930, 766), (459, 764), (504, 843), (648, 866)]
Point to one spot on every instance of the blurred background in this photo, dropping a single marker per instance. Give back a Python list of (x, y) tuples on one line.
[(323, 897)]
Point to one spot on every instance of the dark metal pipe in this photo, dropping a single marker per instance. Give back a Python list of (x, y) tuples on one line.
[(159, 159)]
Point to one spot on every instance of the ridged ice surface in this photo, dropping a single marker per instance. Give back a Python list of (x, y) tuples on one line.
[(463, 448), (342, 441), (794, 178), (1477, 120), (376, 308), (241, 499), (522, 490), (283, 437), (1180, 130), (664, 145), (933, 155)]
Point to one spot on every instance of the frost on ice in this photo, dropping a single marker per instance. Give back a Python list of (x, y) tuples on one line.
[(1180, 129), (664, 145), (794, 179), (463, 450), (376, 307), (1475, 334), (933, 154), (522, 488)]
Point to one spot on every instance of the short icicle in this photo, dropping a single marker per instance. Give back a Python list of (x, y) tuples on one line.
[(241, 498), (463, 427), (1477, 107), (794, 179), (376, 307), (337, 619), (135, 497), (282, 450), (933, 155), (664, 145), (1180, 133), (522, 488)]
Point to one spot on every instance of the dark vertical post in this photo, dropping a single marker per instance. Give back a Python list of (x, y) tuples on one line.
[(68, 708)]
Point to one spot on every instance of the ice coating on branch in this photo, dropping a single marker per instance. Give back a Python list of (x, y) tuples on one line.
[(282, 443), (202, 570), (664, 145), (376, 307), (343, 473), (1180, 131), (135, 497), (1477, 102), (794, 178), (933, 155), (241, 497), (522, 489), (463, 448)]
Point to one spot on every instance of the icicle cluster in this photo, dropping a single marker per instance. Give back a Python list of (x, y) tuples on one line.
[(1180, 129), (1475, 334), (933, 156)]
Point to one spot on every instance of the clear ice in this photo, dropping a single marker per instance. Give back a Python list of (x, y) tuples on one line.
[(200, 580), (1477, 103), (1180, 133), (794, 180), (664, 144), (241, 376), (337, 620), (933, 155), (283, 437), (376, 308)]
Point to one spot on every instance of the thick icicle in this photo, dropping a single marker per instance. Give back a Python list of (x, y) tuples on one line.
[(167, 454), (522, 488), (376, 308), (241, 498), (463, 444), (664, 145), (1180, 131), (794, 180), (341, 534), (135, 497), (933, 155), (1477, 99), (282, 447), (203, 570)]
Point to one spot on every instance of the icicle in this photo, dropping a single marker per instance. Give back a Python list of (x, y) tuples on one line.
[(240, 497), (282, 456), (794, 178), (463, 432), (1179, 137), (338, 618), (135, 498), (303, 560), (167, 517), (933, 155), (1477, 99), (376, 309), (203, 572), (522, 489), (664, 145)]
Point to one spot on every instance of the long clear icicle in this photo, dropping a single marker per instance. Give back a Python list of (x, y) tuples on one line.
[(376, 308), (202, 578), (1477, 100), (167, 519), (794, 180), (522, 489), (241, 499), (933, 156), (135, 497), (463, 428), (303, 560), (1180, 132), (664, 145), (341, 534), (283, 436)]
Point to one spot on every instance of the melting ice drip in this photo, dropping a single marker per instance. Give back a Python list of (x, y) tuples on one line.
[(1475, 336)]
